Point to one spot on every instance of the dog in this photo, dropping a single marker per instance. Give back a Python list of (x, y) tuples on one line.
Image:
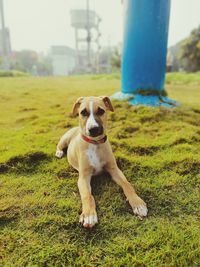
[(90, 153)]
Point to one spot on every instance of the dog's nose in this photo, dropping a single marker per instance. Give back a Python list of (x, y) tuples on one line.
[(96, 131)]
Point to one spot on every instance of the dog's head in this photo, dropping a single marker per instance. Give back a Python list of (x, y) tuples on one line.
[(92, 114)]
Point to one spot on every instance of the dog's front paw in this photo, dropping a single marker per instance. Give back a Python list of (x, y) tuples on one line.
[(141, 211), (140, 208), (59, 154), (88, 220)]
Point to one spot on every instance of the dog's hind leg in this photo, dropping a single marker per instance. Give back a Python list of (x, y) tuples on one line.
[(64, 142)]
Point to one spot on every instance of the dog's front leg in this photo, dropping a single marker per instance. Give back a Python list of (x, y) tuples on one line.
[(89, 216), (138, 205), (62, 144)]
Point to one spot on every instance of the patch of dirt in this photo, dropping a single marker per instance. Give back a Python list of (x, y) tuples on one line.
[(196, 110), (28, 163), (184, 167), (56, 106), (26, 93), (27, 109), (65, 125), (139, 150), (131, 129), (180, 141), (27, 119), (67, 173), (8, 214), (193, 139), (122, 162), (144, 151)]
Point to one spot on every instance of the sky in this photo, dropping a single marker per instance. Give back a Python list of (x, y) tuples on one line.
[(39, 24)]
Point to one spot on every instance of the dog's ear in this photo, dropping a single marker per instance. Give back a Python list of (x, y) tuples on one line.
[(76, 106), (107, 103)]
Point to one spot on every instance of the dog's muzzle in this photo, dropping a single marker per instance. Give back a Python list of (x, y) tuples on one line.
[(96, 131)]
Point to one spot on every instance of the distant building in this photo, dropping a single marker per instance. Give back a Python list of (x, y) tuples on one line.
[(63, 60)]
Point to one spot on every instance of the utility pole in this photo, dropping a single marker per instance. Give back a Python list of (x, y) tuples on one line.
[(88, 34), (4, 41)]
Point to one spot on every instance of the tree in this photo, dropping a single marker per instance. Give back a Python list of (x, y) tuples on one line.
[(24, 60), (44, 66), (190, 52), (31, 62), (116, 59)]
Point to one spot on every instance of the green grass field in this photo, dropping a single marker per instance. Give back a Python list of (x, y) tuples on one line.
[(157, 149)]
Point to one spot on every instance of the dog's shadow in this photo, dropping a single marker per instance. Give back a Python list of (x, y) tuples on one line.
[(99, 182)]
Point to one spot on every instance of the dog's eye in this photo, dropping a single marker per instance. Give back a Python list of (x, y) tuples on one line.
[(84, 113), (100, 112)]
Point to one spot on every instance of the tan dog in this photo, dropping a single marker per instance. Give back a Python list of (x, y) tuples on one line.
[(90, 153)]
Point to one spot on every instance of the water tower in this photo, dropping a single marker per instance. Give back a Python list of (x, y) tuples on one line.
[(87, 34)]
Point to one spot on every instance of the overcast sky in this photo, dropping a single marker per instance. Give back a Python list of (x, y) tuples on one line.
[(38, 24)]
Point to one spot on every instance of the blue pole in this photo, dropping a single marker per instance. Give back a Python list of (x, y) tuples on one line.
[(144, 51)]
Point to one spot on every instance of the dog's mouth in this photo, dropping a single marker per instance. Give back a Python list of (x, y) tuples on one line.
[(96, 131)]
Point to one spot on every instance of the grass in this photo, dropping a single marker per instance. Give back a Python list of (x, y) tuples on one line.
[(157, 149)]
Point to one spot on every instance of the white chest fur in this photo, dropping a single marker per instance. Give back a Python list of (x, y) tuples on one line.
[(94, 159)]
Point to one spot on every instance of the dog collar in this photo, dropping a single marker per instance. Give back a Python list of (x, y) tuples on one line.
[(87, 139)]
